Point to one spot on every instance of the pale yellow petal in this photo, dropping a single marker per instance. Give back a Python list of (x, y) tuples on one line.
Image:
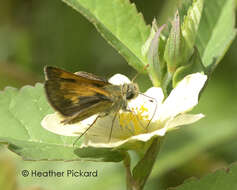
[(119, 79), (130, 143), (183, 119), (183, 97), (52, 123)]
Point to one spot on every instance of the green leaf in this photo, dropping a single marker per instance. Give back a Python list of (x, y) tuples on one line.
[(221, 179), (21, 114), (120, 24), (216, 31)]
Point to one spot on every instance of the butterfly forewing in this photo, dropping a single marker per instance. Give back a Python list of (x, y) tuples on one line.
[(76, 96)]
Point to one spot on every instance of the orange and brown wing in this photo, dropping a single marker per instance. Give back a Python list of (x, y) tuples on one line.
[(71, 94)]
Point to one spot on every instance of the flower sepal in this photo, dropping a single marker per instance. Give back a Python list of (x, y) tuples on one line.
[(195, 65), (100, 154)]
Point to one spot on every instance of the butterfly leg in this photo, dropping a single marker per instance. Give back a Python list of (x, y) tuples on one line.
[(111, 129), (86, 130)]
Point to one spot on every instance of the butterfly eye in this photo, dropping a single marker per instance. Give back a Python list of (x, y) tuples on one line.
[(129, 95)]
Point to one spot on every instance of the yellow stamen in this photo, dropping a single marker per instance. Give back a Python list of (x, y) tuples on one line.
[(134, 120)]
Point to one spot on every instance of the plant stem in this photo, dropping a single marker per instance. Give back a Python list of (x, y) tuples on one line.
[(129, 178)]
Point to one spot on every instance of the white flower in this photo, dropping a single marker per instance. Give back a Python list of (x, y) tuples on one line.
[(150, 116)]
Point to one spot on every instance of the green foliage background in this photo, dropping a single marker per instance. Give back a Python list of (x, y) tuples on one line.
[(38, 33)]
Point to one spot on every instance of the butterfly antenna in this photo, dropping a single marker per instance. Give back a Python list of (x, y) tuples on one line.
[(153, 100)]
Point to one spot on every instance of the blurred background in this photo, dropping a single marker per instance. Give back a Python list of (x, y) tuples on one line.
[(38, 33)]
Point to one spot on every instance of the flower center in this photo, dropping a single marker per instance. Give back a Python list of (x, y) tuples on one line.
[(135, 121)]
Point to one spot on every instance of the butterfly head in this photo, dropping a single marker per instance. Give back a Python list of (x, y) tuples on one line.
[(130, 90)]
